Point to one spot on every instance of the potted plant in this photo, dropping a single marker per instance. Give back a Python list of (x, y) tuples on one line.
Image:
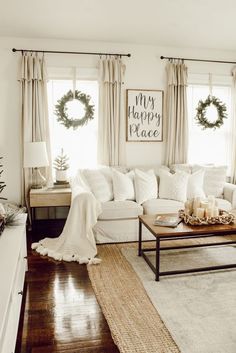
[(61, 166)]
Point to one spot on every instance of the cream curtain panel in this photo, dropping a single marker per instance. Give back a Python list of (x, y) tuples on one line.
[(111, 128), (233, 141), (34, 112), (176, 113)]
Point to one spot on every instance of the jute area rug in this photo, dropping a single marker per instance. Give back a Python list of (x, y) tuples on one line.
[(193, 313), (135, 325)]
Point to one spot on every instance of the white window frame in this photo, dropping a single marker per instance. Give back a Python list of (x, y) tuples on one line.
[(68, 73), (216, 80)]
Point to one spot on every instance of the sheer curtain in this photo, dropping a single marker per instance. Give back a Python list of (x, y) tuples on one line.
[(176, 113), (233, 141), (111, 140), (34, 111)]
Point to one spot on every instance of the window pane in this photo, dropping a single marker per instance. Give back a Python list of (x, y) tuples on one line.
[(80, 144), (209, 145)]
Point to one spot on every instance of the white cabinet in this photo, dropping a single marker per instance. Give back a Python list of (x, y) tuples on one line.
[(13, 264)]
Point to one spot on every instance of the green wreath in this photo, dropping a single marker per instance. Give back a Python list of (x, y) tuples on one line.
[(61, 110), (201, 113)]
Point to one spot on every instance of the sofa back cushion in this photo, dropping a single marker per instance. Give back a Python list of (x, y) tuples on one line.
[(123, 185), (156, 169), (214, 179), (184, 167), (146, 187), (100, 183)]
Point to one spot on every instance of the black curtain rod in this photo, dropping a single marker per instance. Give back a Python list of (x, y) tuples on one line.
[(67, 52), (203, 60)]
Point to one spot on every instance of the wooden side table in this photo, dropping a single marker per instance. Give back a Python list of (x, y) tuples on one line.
[(49, 198)]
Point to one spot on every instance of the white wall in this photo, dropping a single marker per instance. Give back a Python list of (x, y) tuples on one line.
[(143, 70)]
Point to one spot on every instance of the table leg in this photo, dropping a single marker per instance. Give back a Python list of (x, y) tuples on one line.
[(32, 216), (140, 239), (157, 258)]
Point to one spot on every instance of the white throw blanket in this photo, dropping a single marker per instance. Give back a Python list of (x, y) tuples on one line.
[(76, 242)]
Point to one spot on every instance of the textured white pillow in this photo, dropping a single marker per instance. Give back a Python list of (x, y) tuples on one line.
[(214, 179), (173, 186), (145, 185), (100, 185), (123, 185), (195, 185)]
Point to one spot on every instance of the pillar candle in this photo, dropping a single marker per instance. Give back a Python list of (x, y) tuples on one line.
[(215, 212), (196, 205), (200, 212), (209, 212), (204, 204), (187, 211)]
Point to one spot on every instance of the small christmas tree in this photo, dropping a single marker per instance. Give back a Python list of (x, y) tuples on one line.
[(2, 183), (60, 162)]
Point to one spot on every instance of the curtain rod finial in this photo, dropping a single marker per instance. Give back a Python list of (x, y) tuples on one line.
[(129, 55), (161, 57), (14, 50)]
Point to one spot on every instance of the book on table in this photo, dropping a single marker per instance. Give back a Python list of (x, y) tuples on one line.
[(167, 221)]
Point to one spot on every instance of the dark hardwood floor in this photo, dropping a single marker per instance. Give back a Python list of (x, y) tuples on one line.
[(60, 312)]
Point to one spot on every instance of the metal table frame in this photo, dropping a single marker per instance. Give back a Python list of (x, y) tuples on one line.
[(157, 249)]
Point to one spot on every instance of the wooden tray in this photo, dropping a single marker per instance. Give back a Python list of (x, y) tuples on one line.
[(224, 218)]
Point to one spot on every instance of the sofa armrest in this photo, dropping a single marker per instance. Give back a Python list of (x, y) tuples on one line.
[(229, 193)]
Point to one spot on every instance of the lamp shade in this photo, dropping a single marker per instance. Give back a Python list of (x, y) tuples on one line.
[(35, 155)]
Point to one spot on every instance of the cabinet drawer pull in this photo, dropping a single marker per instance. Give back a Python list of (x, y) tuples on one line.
[(21, 292)]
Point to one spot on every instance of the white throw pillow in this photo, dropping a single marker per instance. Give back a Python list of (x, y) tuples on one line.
[(100, 185), (173, 186), (123, 185), (195, 185), (145, 185), (214, 179)]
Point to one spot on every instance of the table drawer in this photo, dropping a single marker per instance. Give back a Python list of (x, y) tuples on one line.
[(47, 200)]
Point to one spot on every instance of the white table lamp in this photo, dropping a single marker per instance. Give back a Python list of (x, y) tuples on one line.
[(35, 156)]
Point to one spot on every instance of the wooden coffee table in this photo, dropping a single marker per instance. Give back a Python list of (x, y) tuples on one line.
[(182, 231)]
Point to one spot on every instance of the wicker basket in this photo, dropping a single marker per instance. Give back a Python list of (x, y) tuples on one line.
[(224, 218)]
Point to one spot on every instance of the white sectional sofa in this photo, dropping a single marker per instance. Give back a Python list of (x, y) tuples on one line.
[(118, 221)]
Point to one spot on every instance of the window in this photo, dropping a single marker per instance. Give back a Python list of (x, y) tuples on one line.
[(209, 145), (80, 144)]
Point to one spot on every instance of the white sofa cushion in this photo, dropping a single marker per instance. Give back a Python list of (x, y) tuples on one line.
[(145, 185), (173, 186), (100, 183), (214, 179), (187, 168), (156, 206), (123, 185), (224, 204), (156, 169), (120, 210)]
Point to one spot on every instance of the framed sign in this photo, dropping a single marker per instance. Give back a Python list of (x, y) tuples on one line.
[(144, 115)]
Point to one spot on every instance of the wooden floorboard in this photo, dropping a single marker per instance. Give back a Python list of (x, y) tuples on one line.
[(60, 312)]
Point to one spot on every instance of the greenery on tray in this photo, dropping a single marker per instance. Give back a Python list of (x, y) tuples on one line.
[(61, 110), (60, 162), (201, 116)]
